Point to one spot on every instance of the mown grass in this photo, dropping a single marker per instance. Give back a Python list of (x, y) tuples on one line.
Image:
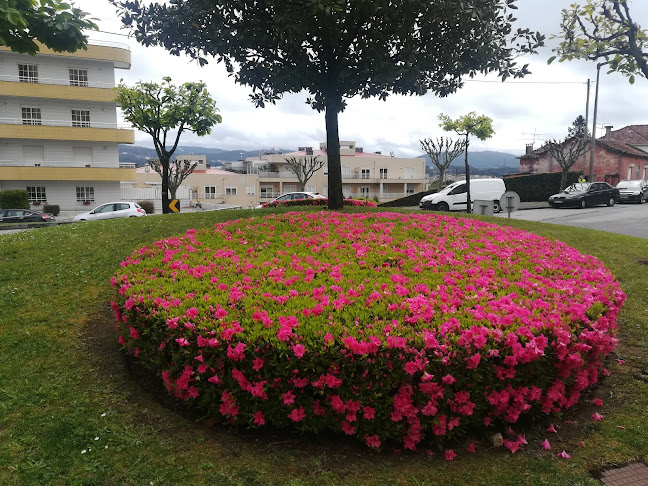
[(64, 387)]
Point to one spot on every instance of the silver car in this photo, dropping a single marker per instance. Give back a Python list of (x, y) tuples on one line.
[(121, 209), (633, 191)]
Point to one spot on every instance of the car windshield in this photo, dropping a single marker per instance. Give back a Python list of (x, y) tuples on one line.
[(578, 187), (629, 184)]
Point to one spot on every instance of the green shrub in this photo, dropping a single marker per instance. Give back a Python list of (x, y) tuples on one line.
[(538, 187), (14, 199), (147, 206), (52, 209)]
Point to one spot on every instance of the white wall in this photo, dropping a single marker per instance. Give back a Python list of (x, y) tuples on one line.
[(59, 112), (59, 153), (63, 193)]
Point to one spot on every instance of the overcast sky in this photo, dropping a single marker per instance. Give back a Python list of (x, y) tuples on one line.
[(540, 107)]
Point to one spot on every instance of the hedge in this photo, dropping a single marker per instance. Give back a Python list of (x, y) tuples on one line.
[(386, 327), (317, 202), (538, 187), (14, 199)]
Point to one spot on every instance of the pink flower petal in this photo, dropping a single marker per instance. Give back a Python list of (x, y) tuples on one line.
[(563, 455), (546, 445)]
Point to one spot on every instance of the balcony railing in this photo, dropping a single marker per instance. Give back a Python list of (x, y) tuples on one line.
[(276, 175), (56, 81), (62, 123), (270, 195)]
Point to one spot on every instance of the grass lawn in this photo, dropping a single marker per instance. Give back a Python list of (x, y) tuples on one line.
[(71, 413)]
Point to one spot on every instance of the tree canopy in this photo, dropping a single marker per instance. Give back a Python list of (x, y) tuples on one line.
[(53, 23), (338, 49), (566, 152), (442, 152), (304, 168), (603, 30), (160, 109)]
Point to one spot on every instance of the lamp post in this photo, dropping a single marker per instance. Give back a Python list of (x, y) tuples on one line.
[(593, 144)]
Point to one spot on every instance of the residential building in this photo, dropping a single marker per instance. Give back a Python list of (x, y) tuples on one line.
[(255, 180), (364, 174), (59, 134), (618, 155)]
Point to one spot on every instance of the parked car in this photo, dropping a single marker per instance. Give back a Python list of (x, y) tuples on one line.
[(453, 197), (24, 216), (583, 194), (289, 196), (633, 191), (121, 209)]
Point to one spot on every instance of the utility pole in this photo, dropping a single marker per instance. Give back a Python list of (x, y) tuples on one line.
[(586, 121), (591, 164)]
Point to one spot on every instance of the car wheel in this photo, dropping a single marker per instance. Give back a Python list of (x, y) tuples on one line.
[(496, 207), (582, 203), (611, 201), (442, 206), (641, 198)]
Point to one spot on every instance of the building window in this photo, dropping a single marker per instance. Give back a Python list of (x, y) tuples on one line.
[(267, 191), (365, 173), (28, 73), (78, 77), (383, 173), (364, 191), (409, 191), (326, 169), (36, 194), (346, 191), (210, 192), (325, 190), (311, 188), (249, 190), (31, 116), (85, 194), (290, 188), (230, 190), (409, 172), (80, 118)]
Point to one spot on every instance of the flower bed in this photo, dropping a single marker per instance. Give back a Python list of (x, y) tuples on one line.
[(384, 326), (317, 202)]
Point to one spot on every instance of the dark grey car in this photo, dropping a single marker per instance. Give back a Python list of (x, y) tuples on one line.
[(583, 194)]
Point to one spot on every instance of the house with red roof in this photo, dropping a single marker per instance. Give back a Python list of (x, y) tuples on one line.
[(618, 155)]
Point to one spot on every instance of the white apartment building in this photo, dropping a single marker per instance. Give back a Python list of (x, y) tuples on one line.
[(247, 183), (59, 134)]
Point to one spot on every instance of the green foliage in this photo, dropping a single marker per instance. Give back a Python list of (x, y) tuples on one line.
[(338, 49), (147, 206), (14, 199), (317, 202), (538, 187), (604, 31), (158, 109), (53, 23), (52, 209)]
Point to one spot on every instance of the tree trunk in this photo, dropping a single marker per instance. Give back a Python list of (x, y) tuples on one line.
[(165, 186), (468, 204), (441, 178), (335, 197), (563, 179)]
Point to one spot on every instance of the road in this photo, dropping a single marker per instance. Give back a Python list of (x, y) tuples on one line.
[(624, 219)]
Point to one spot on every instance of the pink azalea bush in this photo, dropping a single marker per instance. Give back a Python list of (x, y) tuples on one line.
[(386, 327), (317, 202)]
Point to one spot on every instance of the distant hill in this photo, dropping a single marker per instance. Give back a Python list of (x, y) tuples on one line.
[(137, 154), (482, 160)]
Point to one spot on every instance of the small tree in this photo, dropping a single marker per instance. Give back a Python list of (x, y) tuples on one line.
[(566, 152), (178, 172), (304, 168), (158, 109), (52, 22), (479, 126), (442, 152), (604, 29)]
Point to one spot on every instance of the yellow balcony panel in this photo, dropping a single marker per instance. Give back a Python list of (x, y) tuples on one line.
[(59, 92), (119, 54), (66, 174), (83, 134)]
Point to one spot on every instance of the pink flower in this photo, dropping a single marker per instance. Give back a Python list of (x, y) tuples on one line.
[(133, 332), (552, 429), (299, 350), (372, 441), (597, 417), (182, 342), (563, 455), (236, 353), (288, 398), (597, 402), (369, 413), (621, 361), (257, 364), (297, 415), (545, 445), (448, 380), (259, 418), (347, 428), (472, 447), (450, 455)]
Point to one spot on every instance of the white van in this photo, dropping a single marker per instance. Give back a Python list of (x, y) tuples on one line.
[(453, 197)]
